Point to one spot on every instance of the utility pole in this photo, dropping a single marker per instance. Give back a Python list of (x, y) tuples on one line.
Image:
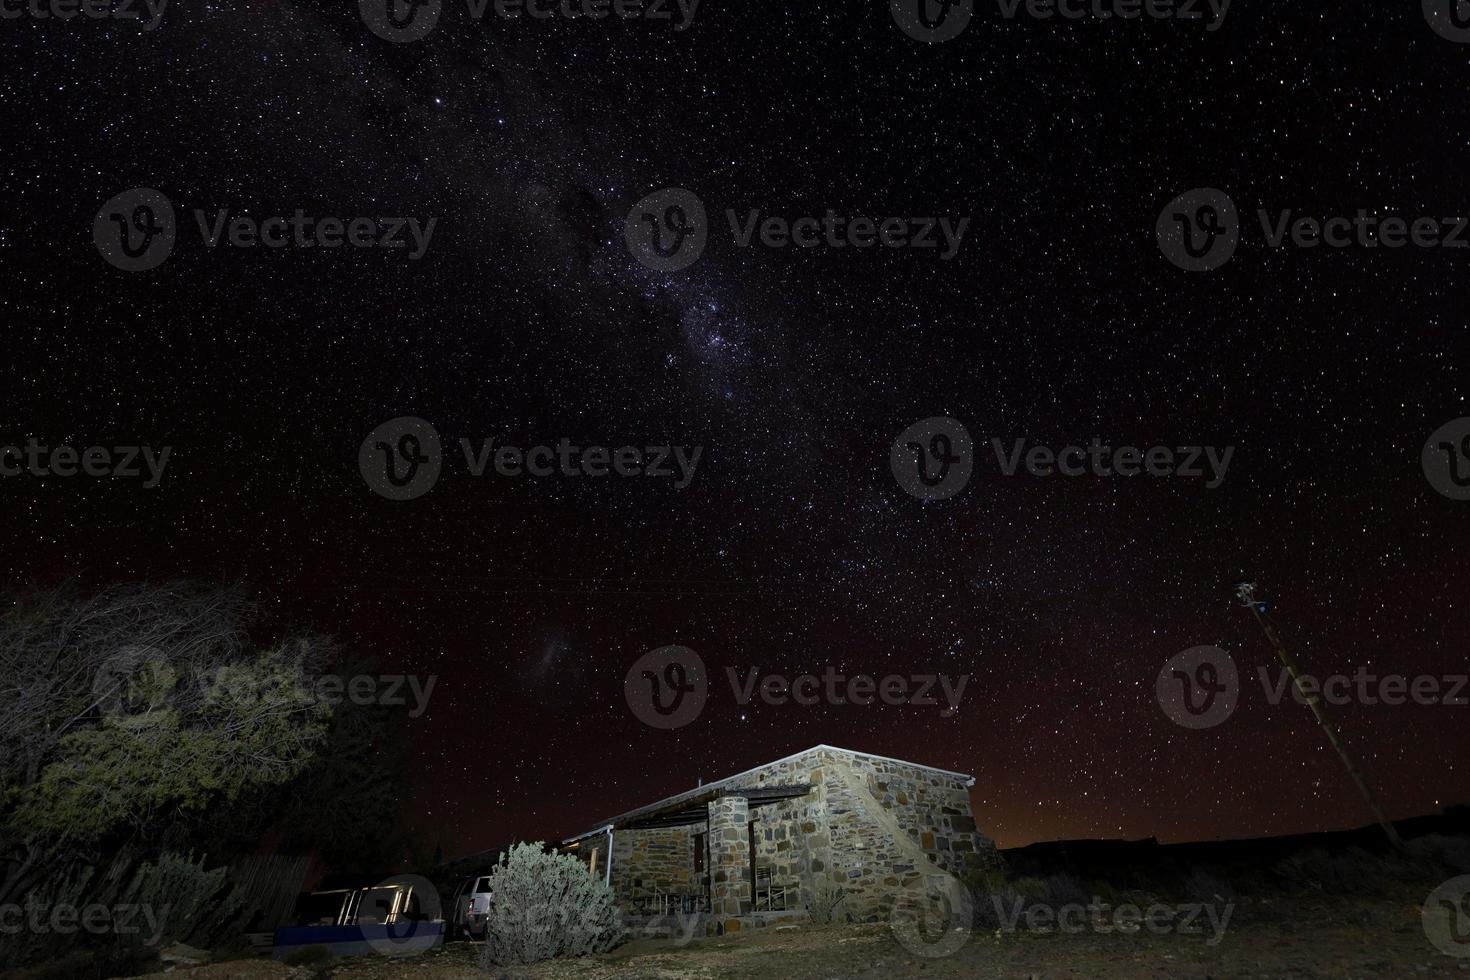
[(1247, 593)]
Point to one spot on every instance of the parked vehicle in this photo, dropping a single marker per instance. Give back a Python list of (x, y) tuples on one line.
[(388, 918), (469, 907)]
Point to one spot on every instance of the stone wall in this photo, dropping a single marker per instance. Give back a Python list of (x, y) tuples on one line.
[(868, 829), (649, 860)]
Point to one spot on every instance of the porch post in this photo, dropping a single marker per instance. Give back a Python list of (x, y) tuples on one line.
[(729, 847)]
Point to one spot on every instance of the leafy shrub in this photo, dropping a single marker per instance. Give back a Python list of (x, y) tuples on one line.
[(188, 899), (545, 906)]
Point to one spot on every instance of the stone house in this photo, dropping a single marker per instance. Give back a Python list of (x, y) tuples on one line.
[(823, 826)]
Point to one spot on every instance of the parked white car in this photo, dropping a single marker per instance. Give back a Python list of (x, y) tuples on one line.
[(470, 905)]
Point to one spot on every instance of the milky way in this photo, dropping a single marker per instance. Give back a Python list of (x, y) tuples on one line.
[(794, 549)]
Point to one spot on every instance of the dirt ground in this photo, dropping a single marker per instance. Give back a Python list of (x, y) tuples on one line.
[(1299, 938)]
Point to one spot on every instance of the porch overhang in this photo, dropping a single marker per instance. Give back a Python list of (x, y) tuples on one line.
[(693, 807)]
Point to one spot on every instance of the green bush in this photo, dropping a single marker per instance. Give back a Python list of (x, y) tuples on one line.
[(545, 906)]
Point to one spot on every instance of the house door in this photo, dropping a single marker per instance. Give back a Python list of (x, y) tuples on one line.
[(700, 876), (751, 829)]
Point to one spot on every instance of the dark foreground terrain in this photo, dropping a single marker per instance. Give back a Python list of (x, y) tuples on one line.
[(1304, 935), (1341, 905)]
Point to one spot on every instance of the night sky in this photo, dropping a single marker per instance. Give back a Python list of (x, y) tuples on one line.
[(794, 548)]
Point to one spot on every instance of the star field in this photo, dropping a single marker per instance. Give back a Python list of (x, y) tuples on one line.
[(529, 320)]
